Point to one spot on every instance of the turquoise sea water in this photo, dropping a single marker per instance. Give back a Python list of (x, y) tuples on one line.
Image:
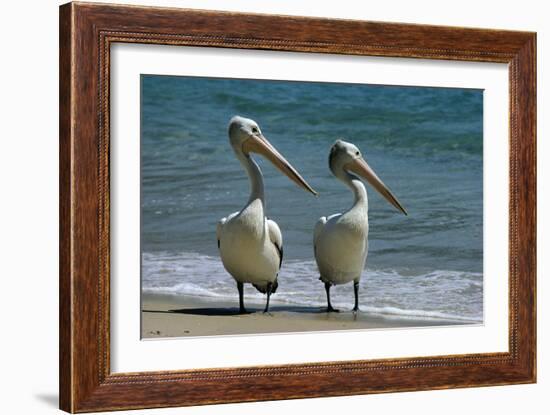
[(426, 144)]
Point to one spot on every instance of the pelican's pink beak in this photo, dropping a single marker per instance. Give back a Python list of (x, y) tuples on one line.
[(360, 167), (259, 144)]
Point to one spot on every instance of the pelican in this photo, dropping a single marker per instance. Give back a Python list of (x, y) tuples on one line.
[(250, 245), (340, 241)]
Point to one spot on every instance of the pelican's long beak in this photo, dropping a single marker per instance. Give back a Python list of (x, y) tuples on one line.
[(360, 167), (260, 145)]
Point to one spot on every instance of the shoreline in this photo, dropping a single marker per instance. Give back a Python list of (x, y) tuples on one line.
[(164, 315)]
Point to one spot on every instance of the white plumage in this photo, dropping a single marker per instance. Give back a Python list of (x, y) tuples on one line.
[(341, 241), (251, 246)]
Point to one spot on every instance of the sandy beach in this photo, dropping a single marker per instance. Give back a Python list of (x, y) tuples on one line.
[(188, 316)]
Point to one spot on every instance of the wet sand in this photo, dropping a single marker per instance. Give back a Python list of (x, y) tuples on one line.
[(187, 316)]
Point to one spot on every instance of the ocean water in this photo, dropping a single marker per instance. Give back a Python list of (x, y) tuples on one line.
[(426, 144)]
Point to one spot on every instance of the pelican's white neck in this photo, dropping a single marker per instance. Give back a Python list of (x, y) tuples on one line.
[(356, 186), (255, 177)]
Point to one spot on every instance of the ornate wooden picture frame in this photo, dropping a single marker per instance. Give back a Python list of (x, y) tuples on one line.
[(87, 32)]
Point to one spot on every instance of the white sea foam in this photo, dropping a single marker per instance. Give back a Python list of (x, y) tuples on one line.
[(439, 294)]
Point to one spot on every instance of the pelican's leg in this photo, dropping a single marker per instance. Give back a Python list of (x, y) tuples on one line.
[(240, 287), (329, 306), (356, 292), (268, 292)]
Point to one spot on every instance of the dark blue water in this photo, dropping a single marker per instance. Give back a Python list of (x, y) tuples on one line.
[(426, 144)]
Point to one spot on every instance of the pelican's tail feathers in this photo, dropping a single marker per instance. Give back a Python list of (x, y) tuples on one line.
[(263, 288), (323, 279)]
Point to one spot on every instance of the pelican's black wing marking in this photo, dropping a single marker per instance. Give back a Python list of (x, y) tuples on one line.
[(280, 251), (218, 244)]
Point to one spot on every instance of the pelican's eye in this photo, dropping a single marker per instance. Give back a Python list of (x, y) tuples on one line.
[(255, 130), (357, 153)]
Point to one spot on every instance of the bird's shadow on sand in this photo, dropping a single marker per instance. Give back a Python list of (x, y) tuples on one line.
[(234, 311)]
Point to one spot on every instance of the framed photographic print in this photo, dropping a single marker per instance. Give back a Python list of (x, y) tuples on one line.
[(259, 207)]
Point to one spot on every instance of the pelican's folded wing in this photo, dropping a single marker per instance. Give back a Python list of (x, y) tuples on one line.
[(276, 237), (318, 229), (219, 230)]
